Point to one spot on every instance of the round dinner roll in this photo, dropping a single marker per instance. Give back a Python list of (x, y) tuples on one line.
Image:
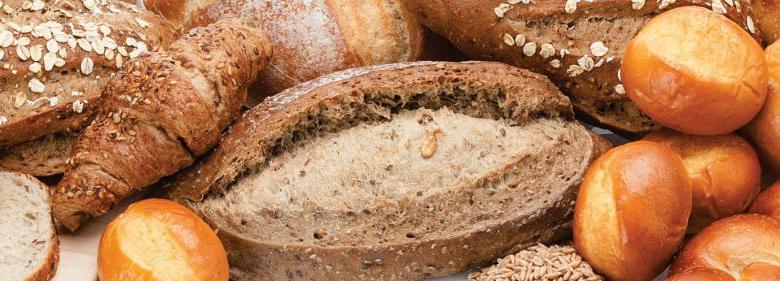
[(764, 130), (746, 247), (768, 202), (724, 171), (701, 274), (160, 240), (695, 71), (632, 211)]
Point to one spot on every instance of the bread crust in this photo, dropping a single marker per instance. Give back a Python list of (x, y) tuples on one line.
[(29, 114), (259, 129), (476, 29), (41, 157), (354, 33)]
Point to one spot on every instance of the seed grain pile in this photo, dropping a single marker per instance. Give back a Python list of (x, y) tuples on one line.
[(554, 263)]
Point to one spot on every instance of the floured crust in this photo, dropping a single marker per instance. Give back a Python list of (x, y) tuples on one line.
[(56, 57), (344, 99), (578, 44)]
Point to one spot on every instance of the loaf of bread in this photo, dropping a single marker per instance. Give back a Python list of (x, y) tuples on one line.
[(578, 44), (55, 58), (159, 113), (41, 157), (393, 172), (29, 249), (311, 38)]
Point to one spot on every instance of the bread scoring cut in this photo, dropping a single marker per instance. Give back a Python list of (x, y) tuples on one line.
[(394, 172)]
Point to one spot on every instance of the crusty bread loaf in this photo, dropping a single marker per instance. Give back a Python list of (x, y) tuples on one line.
[(42, 157), (159, 113), (578, 44), (29, 249), (312, 38), (58, 55), (393, 172)]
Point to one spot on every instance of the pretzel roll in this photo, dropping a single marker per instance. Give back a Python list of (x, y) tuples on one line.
[(747, 247), (764, 130), (632, 211), (695, 71), (724, 170)]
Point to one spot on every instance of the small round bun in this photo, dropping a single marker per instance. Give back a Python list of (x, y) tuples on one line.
[(764, 130), (724, 170), (695, 71), (632, 211), (766, 15), (160, 240), (768, 202), (744, 246), (701, 274)]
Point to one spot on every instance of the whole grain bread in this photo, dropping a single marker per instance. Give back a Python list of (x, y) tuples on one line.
[(578, 44), (42, 157), (159, 113), (56, 57), (393, 172), (311, 38), (29, 249)]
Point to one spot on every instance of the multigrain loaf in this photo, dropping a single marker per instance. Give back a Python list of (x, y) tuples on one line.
[(29, 249), (58, 55), (578, 44), (159, 113), (311, 38), (393, 172), (41, 157)]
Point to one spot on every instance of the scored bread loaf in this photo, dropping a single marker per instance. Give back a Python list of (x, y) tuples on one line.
[(29, 249), (311, 38), (160, 112), (578, 44), (56, 55), (393, 172)]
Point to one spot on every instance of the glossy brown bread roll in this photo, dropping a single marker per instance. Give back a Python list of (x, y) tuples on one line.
[(160, 112), (768, 202), (746, 247), (632, 211), (311, 38), (724, 170), (764, 130)]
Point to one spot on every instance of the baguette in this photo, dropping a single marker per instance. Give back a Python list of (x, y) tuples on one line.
[(578, 44), (311, 38), (28, 239), (160, 112), (393, 172)]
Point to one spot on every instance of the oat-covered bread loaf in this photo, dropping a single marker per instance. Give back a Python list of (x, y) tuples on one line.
[(55, 56), (578, 44), (393, 172), (159, 113), (312, 38)]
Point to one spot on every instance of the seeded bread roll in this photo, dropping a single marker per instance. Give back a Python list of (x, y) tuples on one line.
[(160, 112), (438, 167), (312, 38), (578, 44)]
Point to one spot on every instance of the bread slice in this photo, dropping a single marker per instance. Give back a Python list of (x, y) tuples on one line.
[(578, 44), (395, 172), (29, 249), (42, 157)]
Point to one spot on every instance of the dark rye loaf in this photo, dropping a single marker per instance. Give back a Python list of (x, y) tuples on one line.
[(393, 172), (579, 48)]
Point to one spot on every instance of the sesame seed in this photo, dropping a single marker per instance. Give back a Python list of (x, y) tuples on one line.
[(555, 63), (717, 6), (78, 106), (586, 62), (520, 39), (620, 89), (750, 25), (665, 4), (547, 50), (637, 4), (508, 39), (35, 67)]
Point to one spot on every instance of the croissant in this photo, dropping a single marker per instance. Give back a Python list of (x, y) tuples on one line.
[(160, 112)]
